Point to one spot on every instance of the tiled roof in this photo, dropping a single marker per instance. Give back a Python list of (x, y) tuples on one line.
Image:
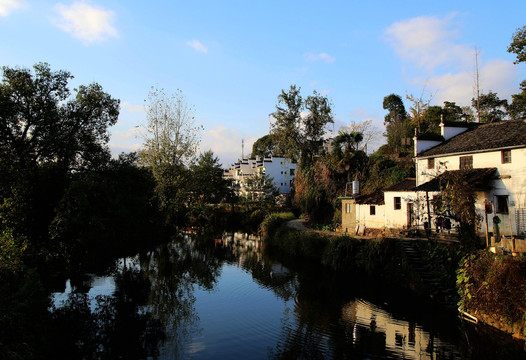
[(375, 198), (484, 137), (478, 178), (404, 185)]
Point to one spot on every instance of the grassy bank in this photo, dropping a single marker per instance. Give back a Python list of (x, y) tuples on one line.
[(493, 289), (380, 259)]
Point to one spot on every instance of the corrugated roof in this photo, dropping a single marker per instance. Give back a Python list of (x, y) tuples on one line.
[(478, 178), (502, 134)]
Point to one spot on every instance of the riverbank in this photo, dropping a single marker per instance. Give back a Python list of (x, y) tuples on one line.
[(430, 270)]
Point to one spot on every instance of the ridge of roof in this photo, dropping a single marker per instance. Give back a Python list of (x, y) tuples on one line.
[(508, 133)]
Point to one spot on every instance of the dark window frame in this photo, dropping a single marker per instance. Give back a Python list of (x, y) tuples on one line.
[(431, 163), (466, 162), (506, 156), (397, 203), (372, 210), (502, 204)]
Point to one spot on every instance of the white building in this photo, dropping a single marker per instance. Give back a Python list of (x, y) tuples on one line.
[(280, 169), (491, 157)]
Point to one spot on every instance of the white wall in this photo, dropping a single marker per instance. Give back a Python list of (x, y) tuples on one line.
[(280, 170), (510, 181), (365, 219)]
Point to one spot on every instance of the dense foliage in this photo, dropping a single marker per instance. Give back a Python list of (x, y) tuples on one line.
[(493, 288)]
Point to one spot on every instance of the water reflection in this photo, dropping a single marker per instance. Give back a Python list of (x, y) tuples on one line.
[(367, 323), (222, 296)]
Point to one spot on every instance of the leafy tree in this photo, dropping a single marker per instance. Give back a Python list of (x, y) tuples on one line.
[(453, 112), (170, 144), (264, 146), (492, 109), (298, 135), (42, 124), (46, 134), (349, 140), (432, 119), (518, 45), (417, 110), (371, 134), (172, 137), (517, 108), (260, 187), (207, 179), (457, 200), (396, 122)]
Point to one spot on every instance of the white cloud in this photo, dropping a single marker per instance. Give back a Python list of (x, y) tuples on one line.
[(86, 22), (437, 61), (319, 57), (197, 46), (226, 144), (428, 41), (132, 108), (499, 76), (6, 6)]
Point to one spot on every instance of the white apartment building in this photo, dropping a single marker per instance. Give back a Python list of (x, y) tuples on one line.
[(281, 170)]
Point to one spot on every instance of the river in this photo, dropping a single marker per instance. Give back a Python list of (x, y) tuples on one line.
[(223, 297)]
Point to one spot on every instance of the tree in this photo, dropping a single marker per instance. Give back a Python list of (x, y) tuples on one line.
[(260, 187), (169, 145), (371, 134), (492, 109), (417, 110), (172, 137), (396, 122), (457, 199), (264, 146), (41, 124), (518, 45), (207, 178), (517, 108), (46, 135), (349, 141), (299, 136)]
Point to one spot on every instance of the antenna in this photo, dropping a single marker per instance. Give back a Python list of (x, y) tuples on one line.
[(242, 148)]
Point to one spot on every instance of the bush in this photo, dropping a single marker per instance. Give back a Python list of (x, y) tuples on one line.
[(273, 222), (340, 254), (494, 286)]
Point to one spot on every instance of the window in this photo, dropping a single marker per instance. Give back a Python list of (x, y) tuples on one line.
[(397, 203), (431, 163), (348, 208), (466, 162), (506, 156), (372, 210), (291, 171), (502, 204)]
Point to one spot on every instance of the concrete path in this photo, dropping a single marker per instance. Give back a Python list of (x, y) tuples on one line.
[(298, 224)]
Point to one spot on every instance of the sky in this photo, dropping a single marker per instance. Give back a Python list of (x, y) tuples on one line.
[(231, 59)]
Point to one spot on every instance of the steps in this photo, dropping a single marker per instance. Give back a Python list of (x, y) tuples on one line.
[(431, 280)]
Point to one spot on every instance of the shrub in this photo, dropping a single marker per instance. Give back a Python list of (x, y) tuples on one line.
[(494, 286), (271, 223)]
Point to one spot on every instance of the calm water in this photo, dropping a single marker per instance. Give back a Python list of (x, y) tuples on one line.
[(222, 298)]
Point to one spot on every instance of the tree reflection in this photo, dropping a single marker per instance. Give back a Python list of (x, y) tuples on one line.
[(107, 327)]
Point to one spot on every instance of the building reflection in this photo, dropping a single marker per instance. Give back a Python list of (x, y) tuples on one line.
[(369, 326)]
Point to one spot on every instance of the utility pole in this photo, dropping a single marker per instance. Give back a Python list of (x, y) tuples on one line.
[(477, 89)]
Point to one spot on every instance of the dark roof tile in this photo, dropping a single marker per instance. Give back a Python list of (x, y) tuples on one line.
[(483, 137)]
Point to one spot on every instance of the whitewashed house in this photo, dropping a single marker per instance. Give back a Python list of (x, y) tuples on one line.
[(491, 157), (281, 170)]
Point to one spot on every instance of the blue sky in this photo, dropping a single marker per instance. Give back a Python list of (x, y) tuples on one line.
[(232, 58)]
